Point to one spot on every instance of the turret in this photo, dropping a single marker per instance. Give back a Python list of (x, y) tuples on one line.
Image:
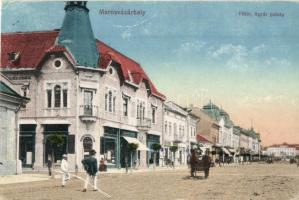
[(77, 36)]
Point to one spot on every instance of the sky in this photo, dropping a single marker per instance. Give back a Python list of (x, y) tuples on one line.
[(195, 52)]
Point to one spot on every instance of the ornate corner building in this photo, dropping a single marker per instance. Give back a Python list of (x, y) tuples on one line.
[(83, 90)]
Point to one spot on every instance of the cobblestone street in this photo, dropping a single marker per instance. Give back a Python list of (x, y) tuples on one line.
[(256, 181)]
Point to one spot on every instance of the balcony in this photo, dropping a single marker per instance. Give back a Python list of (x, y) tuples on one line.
[(144, 124), (88, 113), (177, 139)]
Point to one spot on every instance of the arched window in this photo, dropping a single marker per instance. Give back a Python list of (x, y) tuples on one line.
[(110, 101), (57, 95), (114, 104), (87, 144), (106, 102)]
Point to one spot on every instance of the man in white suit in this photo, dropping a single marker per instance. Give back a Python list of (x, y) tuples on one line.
[(65, 170)]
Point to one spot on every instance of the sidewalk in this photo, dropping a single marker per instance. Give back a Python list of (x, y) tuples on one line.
[(23, 178), (42, 175)]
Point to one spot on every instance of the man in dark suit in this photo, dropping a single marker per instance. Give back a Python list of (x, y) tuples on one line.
[(91, 167)]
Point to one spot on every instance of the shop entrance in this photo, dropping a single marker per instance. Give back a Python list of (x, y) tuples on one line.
[(27, 144), (59, 148)]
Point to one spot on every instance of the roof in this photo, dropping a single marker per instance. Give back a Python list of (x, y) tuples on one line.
[(5, 89), (296, 146), (173, 107), (216, 113), (201, 138), (33, 46)]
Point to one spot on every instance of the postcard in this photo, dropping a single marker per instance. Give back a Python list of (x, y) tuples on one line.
[(149, 100)]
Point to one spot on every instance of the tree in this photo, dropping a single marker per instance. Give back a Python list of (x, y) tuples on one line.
[(56, 142), (156, 147), (173, 149), (132, 147)]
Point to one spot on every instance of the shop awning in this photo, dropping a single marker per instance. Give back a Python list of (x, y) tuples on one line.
[(225, 151), (141, 147), (232, 150)]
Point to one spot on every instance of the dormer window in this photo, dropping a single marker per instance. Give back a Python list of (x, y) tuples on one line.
[(13, 56)]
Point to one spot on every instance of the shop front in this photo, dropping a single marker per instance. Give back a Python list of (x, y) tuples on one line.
[(114, 147), (150, 140)]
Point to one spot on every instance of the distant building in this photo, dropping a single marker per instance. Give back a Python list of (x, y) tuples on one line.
[(179, 130), (206, 125), (226, 125), (283, 150)]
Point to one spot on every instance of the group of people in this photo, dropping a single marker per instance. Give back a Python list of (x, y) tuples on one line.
[(91, 168)]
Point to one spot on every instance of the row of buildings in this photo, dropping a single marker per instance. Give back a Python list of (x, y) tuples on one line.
[(70, 84)]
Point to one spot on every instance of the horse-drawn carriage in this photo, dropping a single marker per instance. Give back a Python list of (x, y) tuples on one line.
[(199, 162)]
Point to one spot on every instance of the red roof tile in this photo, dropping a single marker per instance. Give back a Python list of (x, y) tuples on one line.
[(32, 47)]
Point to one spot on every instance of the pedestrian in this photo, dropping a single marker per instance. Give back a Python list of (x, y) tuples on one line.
[(188, 160), (49, 165), (65, 176), (91, 167), (193, 163), (103, 166), (206, 162)]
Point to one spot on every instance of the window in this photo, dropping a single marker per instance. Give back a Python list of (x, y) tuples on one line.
[(174, 129), (114, 104), (57, 63), (57, 95), (110, 101), (49, 98), (106, 102), (138, 111), (165, 124), (153, 115), (125, 106), (25, 90), (143, 111), (110, 71), (87, 144), (170, 128), (179, 130), (64, 93), (88, 95)]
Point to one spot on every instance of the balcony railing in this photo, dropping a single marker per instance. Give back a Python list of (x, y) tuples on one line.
[(144, 124), (88, 112)]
